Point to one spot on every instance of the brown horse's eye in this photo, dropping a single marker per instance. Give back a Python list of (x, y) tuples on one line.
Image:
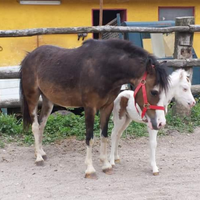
[(154, 92)]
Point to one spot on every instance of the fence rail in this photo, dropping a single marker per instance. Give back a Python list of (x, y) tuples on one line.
[(97, 29), (175, 63), (185, 31)]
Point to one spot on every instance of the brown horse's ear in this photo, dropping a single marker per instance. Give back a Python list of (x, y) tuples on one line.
[(150, 66)]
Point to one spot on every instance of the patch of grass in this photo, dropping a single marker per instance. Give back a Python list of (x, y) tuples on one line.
[(2, 144), (184, 124), (59, 127), (10, 125), (136, 130)]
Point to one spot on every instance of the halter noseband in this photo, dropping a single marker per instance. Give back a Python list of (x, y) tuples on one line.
[(147, 105)]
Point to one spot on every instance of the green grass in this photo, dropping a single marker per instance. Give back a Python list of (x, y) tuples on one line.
[(59, 127), (184, 124)]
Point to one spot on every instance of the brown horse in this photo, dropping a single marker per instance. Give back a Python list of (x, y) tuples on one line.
[(89, 76)]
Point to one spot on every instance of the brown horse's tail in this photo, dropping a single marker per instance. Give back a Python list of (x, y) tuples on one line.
[(24, 105)]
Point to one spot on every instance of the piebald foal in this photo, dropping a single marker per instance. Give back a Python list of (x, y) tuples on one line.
[(124, 112)]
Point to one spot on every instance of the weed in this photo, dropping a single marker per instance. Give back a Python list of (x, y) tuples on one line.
[(2, 144), (59, 127)]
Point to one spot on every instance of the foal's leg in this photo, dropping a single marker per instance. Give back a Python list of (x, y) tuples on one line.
[(89, 121), (153, 145), (119, 126), (47, 107), (104, 118)]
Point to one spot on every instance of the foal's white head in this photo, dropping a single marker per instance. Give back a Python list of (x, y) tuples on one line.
[(180, 89), (180, 86)]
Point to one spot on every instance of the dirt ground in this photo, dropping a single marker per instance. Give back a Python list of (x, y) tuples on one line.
[(62, 176)]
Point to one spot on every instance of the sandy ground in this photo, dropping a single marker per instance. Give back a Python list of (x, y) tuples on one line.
[(62, 176)]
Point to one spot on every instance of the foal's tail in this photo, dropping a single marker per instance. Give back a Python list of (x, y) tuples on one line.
[(24, 105)]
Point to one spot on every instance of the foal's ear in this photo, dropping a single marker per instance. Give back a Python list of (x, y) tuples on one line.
[(181, 75), (188, 78)]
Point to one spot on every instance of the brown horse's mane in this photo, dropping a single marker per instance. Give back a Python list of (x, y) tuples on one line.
[(137, 52)]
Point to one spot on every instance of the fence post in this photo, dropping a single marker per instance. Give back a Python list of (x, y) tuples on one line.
[(183, 50)]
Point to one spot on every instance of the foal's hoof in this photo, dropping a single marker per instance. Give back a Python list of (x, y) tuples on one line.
[(39, 163), (91, 176), (108, 171), (44, 157), (155, 173), (117, 161)]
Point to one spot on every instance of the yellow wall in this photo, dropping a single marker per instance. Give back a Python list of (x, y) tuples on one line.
[(16, 16), (70, 13)]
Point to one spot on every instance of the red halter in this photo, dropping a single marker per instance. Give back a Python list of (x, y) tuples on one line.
[(146, 105)]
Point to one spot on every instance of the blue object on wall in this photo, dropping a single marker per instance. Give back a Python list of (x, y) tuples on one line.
[(136, 38)]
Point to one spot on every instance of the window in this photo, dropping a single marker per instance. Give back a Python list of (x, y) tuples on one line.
[(171, 13)]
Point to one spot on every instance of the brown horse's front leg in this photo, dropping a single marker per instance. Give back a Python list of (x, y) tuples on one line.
[(105, 115), (89, 121)]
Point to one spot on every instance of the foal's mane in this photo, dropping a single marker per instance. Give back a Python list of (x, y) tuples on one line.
[(176, 75)]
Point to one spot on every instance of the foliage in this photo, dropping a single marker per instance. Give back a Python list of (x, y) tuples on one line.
[(10, 125), (59, 127), (184, 124)]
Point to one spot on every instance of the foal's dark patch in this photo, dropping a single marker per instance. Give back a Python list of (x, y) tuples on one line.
[(123, 105)]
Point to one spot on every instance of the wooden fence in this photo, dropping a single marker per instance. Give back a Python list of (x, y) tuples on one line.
[(184, 30), (98, 29)]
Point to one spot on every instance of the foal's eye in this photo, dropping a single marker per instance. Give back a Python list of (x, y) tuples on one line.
[(154, 92), (185, 89)]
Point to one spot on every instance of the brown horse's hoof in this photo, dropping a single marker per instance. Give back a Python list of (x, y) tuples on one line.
[(155, 173), (40, 163), (91, 176), (108, 171), (117, 161), (44, 157)]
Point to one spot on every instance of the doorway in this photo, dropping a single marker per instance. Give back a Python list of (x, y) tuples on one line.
[(108, 16)]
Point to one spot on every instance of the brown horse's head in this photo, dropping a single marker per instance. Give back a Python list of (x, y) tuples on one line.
[(155, 82)]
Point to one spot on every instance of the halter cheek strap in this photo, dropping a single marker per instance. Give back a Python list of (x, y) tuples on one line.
[(146, 105)]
